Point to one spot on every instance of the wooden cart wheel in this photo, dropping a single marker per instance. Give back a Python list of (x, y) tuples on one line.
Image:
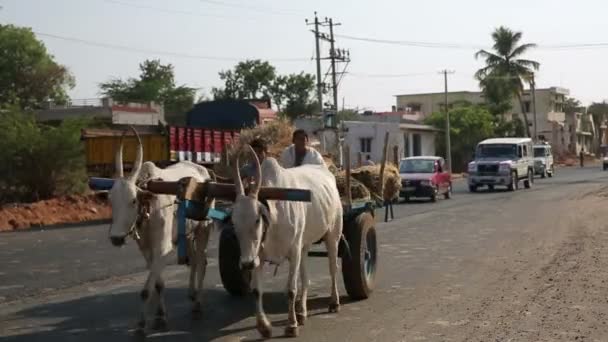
[(236, 281), (359, 269)]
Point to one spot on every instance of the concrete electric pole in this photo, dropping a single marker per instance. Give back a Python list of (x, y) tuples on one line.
[(533, 89), (448, 145)]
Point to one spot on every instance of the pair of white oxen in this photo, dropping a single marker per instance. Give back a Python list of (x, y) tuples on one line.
[(274, 231)]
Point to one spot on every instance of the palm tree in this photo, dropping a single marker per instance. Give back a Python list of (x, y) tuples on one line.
[(506, 62)]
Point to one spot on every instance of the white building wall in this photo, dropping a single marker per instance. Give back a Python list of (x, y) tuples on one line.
[(376, 131)]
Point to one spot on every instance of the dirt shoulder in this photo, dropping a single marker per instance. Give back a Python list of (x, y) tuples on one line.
[(63, 210), (549, 285)]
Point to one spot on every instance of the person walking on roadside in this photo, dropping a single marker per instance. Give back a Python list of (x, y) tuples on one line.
[(581, 156)]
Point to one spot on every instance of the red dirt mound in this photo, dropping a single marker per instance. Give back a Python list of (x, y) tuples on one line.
[(69, 209)]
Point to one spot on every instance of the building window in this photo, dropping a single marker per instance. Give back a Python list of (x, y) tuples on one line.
[(527, 106), (414, 107), (559, 107), (416, 145), (366, 145)]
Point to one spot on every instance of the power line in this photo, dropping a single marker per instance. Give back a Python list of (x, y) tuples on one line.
[(158, 52), (436, 45)]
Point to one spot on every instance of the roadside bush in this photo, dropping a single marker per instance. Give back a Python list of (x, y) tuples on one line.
[(39, 161)]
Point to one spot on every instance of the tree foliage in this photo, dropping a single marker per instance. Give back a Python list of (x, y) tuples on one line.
[(506, 63), (469, 124), (29, 75), (39, 161), (156, 83), (252, 79)]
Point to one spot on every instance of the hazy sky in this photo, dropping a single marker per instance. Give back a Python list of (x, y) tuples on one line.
[(275, 30)]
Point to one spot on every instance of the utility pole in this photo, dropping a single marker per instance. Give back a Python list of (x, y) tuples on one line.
[(335, 56), (448, 145), (318, 48), (533, 86), (332, 55)]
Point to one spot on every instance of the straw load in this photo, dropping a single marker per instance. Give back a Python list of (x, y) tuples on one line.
[(370, 177)]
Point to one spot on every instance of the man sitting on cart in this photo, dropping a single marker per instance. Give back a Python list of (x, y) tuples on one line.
[(299, 153)]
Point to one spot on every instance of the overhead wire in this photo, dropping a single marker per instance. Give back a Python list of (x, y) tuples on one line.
[(436, 45), (159, 52)]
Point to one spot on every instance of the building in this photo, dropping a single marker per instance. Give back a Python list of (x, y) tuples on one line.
[(579, 133), (366, 137), (106, 110), (549, 108), (549, 105)]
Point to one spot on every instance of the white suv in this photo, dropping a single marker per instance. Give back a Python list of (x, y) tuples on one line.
[(543, 160), (502, 162)]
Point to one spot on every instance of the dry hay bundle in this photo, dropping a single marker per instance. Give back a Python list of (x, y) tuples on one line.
[(370, 177), (357, 189), (277, 135)]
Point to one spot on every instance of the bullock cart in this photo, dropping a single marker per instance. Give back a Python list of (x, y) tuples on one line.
[(357, 249)]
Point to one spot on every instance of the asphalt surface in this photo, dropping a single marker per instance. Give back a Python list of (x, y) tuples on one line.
[(70, 284)]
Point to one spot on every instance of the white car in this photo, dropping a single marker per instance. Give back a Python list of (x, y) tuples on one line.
[(543, 161)]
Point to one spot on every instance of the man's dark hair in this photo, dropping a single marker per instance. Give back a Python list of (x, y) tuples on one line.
[(259, 143), (299, 132)]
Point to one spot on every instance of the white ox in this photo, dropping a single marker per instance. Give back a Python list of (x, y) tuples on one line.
[(151, 220), (280, 230)]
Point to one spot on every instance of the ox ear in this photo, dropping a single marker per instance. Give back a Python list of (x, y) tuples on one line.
[(268, 213)]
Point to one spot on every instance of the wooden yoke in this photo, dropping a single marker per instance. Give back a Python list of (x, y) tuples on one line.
[(191, 190)]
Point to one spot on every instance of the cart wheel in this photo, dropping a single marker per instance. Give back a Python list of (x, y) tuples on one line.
[(359, 268), (236, 281)]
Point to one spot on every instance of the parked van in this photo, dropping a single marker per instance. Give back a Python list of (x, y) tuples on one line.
[(502, 162)]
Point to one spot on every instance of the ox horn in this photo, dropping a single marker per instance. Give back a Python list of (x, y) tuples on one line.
[(258, 173), (118, 158), (238, 182), (139, 157)]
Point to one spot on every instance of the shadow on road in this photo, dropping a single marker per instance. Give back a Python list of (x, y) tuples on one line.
[(112, 318)]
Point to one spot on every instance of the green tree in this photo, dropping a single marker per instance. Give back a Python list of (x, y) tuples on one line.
[(156, 83), (469, 124), (29, 75), (250, 79), (39, 161), (497, 91), (299, 96), (506, 62)]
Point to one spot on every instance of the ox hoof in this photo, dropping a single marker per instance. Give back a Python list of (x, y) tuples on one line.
[(301, 318), (264, 328), (334, 307), (160, 324), (291, 331)]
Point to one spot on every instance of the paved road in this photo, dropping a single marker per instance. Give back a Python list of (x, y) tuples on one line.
[(99, 283)]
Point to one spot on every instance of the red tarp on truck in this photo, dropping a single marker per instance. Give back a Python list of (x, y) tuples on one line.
[(199, 145)]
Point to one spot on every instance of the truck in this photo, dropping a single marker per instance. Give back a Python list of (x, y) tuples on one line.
[(210, 127)]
